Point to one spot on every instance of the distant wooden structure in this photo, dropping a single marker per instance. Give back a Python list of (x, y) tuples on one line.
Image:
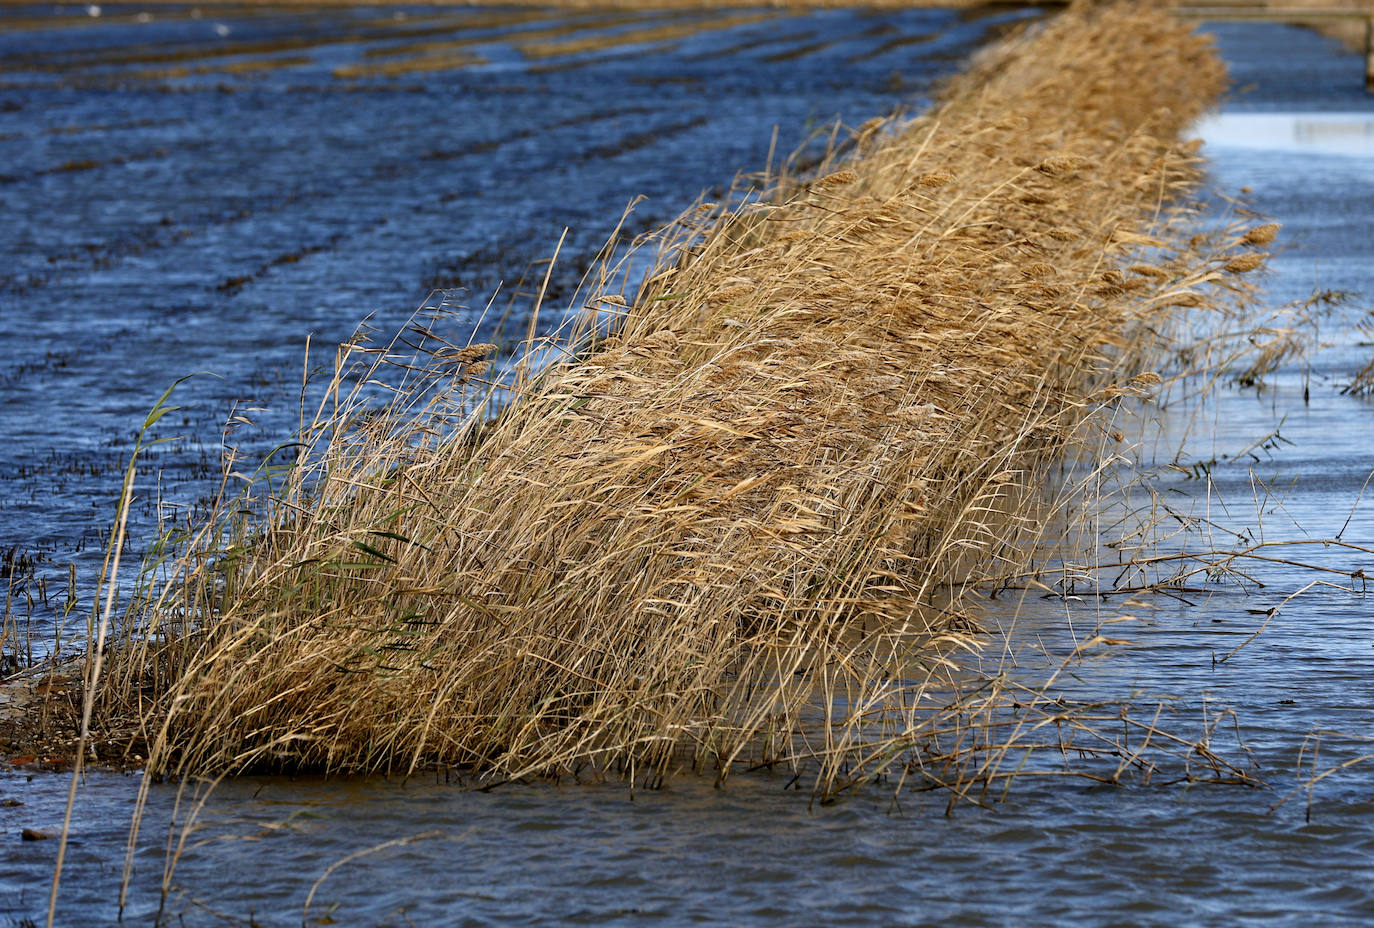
[(1290, 14)]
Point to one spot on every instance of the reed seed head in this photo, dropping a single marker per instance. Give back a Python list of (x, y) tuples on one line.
[(839, 178), (1242, 264), (1262, 235), (1061, 165)]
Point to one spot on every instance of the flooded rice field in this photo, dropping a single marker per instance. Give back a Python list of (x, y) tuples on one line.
[(196, 191)]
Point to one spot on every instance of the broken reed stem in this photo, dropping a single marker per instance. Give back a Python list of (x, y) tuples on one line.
[(739, 528)]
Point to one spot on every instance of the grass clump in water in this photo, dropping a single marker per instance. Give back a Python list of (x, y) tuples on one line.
[(739, 527)]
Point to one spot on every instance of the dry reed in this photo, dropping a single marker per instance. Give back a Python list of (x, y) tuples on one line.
[(735, 520), (1363, 380)]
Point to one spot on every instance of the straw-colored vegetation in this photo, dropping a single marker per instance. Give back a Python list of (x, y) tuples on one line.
[(655, 33), (526, 26), (1363, 381), (735, 520), (444, 62)]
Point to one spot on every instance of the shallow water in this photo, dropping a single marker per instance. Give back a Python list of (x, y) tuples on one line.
[(1054, 851), (749, 854)]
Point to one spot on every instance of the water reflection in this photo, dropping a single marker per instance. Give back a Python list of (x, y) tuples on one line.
[(1350, 134)]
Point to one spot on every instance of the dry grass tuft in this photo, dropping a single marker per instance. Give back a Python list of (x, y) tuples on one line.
[(739, 526), (1363, 381)]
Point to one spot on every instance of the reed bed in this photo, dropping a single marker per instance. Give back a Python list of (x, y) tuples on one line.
[(735, 518)]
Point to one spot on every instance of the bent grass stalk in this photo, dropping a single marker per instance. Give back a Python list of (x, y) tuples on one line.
[(737, 523), (96, 649)]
